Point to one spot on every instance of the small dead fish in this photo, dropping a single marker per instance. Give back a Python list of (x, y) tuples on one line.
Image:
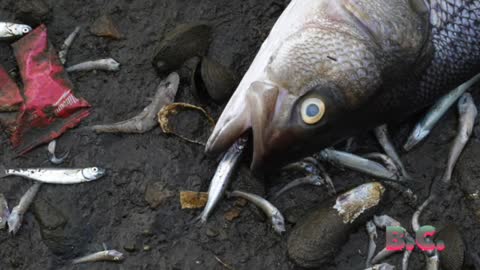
[(385, 221), (423, 128), (147, 119), (108, 64), (384, 139), (9, 30), (62, 54), (16, 217), (307, 180), (106, 255), (468, 113), (51, 154), (372, 235), (56, 175), (4, 211), (278, 222), (358, 163), (432, 262), (222, 176), (383, 266)]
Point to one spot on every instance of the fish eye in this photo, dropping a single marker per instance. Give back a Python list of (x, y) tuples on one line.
[(25, 30), (312, 110), (95, 169)]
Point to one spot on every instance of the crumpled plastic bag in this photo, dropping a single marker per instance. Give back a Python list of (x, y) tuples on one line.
[(50, 107)]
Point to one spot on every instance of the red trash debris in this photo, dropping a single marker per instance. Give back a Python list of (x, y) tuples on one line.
[(10, 98), (50, 107)]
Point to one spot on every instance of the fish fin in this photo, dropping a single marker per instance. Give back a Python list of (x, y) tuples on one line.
[(3, 171), (197, 221)]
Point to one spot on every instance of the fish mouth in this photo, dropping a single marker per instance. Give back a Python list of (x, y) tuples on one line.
[(257, 111)]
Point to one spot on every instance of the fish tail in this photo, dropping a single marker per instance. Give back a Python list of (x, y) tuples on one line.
[(198, 221)]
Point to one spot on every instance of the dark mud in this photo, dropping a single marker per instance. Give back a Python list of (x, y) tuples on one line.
[(69, 221)]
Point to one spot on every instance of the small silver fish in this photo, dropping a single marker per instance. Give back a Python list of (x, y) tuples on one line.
[(433, 262), (383, 266), (16, 217), (468, 113), (106, 255), (358, 163), (4, 211), (222, 176), (52, 156), (372, 235), (10, 30), (278, 222), (108, 64), (56, 176), (307, 180), (147, 119), (385, 221), (62, 54), (423, 128), (384, 139)]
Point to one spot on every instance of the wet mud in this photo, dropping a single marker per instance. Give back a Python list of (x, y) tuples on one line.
[(136, 209)]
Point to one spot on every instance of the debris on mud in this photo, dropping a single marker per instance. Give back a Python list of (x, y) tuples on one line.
[(193, 200), (105, 27)]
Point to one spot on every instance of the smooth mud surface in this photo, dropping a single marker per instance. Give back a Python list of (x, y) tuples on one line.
[(135, 208)]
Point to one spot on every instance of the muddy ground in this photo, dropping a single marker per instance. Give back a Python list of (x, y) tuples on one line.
[(135, 209)]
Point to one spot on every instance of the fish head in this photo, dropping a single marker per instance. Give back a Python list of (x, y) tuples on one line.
[(113, 64), (278, 223), (115, 255), (19, 29), (93, 173)]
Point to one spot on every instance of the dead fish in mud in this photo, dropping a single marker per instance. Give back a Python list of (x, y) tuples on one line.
[(468, 113), (62, 54), (372, 235), (16, 217), (10, 30), (308, 180), (317, 238), (222, 176), (278, 222), (4, 211), (175, 108), (358, 163), (108, 64), (383, 266), (56, 175), (423, 128), (52, 157), (146, 120), (331, 69), (106, 255)]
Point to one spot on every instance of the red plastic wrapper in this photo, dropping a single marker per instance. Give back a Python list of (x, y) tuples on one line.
[(50, 106), (10, 98)]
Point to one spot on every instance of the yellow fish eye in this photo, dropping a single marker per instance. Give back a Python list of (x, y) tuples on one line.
[(312, 110)]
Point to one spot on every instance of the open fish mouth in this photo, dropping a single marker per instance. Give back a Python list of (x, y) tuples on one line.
[(260, 113)]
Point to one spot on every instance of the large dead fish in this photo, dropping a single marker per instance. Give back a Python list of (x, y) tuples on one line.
[(331, 68)]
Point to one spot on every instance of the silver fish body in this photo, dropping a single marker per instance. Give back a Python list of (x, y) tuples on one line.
[(222, 176), (4, 211), (275, 216), (383, 266), (16, 217), (108, 64), (57, 176), (11, 30), (372, 235), (106, 255)]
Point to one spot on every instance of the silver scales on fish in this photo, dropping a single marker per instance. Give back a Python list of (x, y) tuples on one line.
[(332, 69)]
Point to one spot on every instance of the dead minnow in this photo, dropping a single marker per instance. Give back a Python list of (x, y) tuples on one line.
[(4, 211), (307, 180), (9, 30), (385, 221), (358, 163), (383, 266), (106, 255), (372, 235), (468, 113), (423, 128), (62, 54), (16, 217), (331, 69), (52, 156), (146, 120), (56, 175), (222, 176), (108, 64), (278, 222)]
